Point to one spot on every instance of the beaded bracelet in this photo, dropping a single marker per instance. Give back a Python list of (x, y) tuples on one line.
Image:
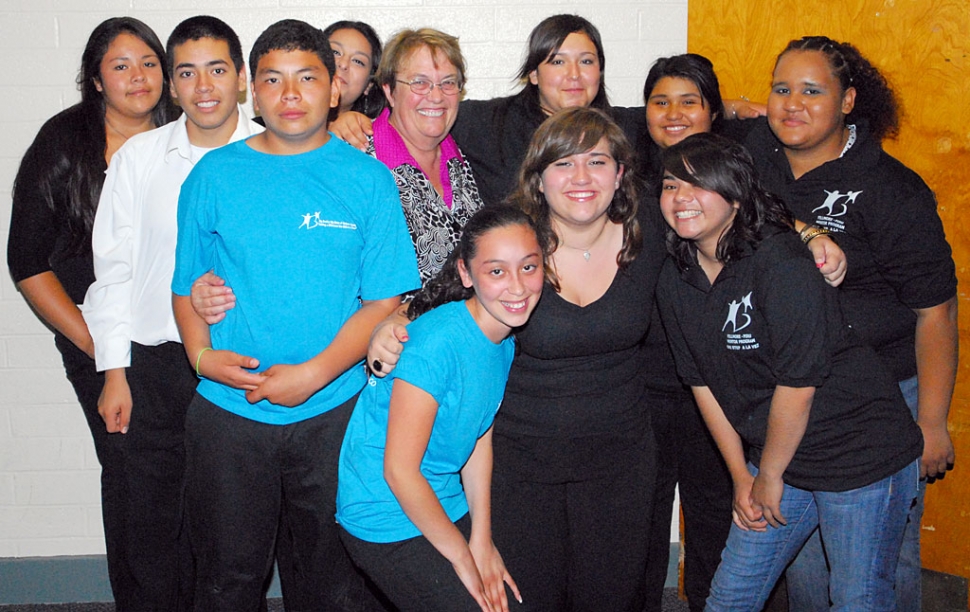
[(812, 231)]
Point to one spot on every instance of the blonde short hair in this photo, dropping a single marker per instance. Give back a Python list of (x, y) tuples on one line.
[(403, 44)]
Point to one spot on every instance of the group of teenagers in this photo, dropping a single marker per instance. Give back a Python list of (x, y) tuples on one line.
[(465, 368)]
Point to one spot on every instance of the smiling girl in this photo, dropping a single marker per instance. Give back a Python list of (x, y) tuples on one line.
[(414, 493), (813, 429), (828, 110), (356, 53), (124, 91)]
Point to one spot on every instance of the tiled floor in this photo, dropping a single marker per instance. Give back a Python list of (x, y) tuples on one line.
[(671, 604), (941, 593)]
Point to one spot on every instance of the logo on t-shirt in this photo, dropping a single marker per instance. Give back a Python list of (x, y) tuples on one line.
[(312, 220), (737, 320), (836, 204)]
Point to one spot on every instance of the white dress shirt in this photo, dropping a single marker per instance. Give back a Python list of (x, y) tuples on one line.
[(135, 231)]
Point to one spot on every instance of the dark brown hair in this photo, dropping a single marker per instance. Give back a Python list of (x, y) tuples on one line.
[(569, 132), (875, 100)]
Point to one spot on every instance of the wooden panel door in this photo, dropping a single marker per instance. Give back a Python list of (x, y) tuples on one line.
[(923, 47)]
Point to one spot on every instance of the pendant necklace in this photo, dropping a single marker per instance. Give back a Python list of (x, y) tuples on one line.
[(585, 250)]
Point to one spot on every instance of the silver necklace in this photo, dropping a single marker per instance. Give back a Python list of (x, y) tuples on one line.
[(585, 250)]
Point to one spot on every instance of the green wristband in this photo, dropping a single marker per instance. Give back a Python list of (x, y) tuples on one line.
[(198, 360)]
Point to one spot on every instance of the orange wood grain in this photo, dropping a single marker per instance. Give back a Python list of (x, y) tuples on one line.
[(923, 47)]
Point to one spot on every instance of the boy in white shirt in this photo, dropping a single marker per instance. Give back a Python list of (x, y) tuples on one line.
[(148, 383)]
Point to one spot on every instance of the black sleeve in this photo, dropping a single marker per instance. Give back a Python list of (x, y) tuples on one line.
[(908, 241), (739, 129), (670, 315), (493, 135), (33, 222), (796, 310)]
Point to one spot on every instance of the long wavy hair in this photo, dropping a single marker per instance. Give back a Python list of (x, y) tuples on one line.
[(447, 286), (720, 165), (81, 164), (875, 100), (569, 132)]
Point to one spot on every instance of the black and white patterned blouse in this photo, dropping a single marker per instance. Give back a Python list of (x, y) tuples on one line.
[(435, 222)]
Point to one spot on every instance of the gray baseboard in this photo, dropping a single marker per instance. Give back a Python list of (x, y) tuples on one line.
[(84, 579), (68, 579)]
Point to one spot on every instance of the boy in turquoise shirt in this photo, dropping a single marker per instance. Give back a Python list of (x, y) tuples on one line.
[(310, 234)]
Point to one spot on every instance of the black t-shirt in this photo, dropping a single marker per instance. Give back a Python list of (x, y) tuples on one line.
[(884, 218), (40, 238), (573, 406), (769, 319)]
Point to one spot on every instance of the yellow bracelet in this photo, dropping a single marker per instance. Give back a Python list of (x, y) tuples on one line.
[(198, 360)]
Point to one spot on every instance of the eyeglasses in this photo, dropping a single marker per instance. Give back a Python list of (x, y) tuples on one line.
[(449, 87)]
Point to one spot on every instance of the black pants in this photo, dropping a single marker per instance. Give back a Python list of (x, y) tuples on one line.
[(241, 476), (149, 564), (413, 575), (687, 454), (575, 546)]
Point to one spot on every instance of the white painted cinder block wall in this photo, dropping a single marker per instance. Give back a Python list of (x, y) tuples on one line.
[(49, 490)]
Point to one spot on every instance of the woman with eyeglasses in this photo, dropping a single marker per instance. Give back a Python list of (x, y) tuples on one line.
[(422, 74)]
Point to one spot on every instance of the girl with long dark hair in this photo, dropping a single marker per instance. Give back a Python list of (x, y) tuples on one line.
[(811, 425), (829, 109), (414, 493), (357, 53), (124, 91)]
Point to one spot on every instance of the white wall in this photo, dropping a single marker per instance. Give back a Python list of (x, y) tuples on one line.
[(49, 490)]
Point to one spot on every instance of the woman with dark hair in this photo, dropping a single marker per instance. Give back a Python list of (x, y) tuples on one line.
[(563, 68), (812, 427), (574, 450), (357, 53), (828, 110), (682, 97), (124, 91)]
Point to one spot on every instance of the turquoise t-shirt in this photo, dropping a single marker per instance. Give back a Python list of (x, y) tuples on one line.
[(301, 239), (450, 358)]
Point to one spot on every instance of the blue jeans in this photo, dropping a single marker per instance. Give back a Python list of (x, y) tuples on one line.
[(862, 530), (808, 575)]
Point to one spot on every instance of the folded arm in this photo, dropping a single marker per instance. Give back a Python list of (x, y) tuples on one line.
[(291, 385), (225, 367)]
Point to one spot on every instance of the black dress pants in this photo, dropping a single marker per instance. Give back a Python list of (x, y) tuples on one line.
[(149, 563)]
